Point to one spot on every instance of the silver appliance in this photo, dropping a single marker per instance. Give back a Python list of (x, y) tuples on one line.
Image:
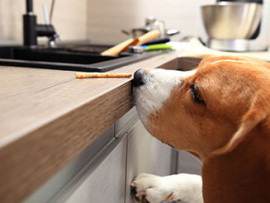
[(231, 25)]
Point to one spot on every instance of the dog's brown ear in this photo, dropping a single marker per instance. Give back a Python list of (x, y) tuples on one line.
[(256, 114)]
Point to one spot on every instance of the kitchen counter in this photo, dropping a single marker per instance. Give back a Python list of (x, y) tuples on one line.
[(48, 117)]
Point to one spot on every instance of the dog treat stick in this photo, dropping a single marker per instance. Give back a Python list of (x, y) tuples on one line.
[(102, 75)]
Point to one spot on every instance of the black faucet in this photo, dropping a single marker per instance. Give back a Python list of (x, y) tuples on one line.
[(32, 30)]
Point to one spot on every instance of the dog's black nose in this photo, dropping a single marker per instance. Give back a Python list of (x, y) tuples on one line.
[(138, 78)]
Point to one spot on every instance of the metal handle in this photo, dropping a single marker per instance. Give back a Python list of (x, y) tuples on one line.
[(52, 9), (45, 13), (172, 32)]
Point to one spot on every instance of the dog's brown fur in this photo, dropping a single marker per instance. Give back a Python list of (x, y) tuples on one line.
[(231, 132)]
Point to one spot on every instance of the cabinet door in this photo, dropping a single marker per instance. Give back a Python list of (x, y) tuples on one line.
[(107, 182), (145, 154), (188, 163)]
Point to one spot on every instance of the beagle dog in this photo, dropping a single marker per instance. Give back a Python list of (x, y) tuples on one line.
[(218, 112)]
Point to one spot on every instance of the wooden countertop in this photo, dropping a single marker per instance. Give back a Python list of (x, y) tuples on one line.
[(48, 117)]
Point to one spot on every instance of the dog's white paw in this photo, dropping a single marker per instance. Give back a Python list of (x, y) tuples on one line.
[(155, 189)]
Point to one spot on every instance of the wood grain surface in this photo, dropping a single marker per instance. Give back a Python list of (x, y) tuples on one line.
[(48, 117)]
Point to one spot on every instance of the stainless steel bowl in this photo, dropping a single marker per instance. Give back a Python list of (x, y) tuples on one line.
[(228, 20)]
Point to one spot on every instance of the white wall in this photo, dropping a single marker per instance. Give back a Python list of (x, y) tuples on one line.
[(101, 21), (69, 18), (106, 18)]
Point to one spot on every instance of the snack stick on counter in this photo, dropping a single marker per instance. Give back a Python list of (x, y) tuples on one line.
[(102, 75)]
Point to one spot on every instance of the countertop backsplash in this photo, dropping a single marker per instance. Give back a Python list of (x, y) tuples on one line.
[(69, 18), (102, 21), (106, 18)]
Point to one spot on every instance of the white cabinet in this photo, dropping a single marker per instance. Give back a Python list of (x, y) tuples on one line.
[(104, 170), (145, 154), (107, 182), (188, 163)]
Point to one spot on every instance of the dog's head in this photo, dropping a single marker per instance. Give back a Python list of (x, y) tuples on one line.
[(211, 108)]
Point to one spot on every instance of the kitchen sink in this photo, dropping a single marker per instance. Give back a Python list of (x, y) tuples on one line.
[(79, 58)]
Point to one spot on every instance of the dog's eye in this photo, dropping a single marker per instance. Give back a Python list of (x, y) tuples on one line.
[(195, 94)]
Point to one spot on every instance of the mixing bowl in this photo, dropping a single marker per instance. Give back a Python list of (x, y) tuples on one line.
[(231, 20)]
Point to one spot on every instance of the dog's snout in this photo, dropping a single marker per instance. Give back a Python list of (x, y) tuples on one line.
[(138, 78)]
